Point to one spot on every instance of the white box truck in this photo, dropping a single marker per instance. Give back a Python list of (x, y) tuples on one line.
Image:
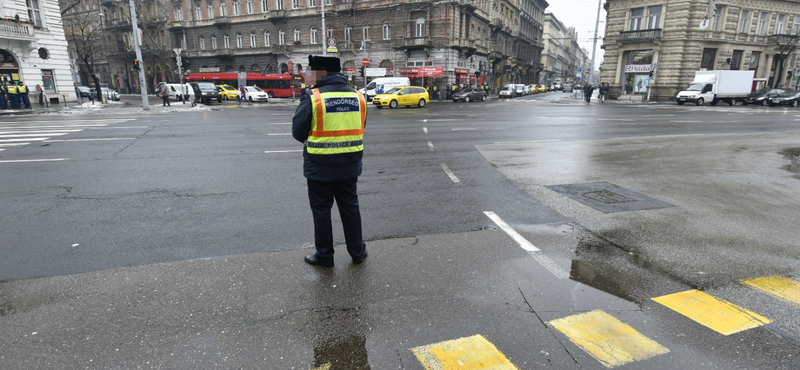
[(716, 86)]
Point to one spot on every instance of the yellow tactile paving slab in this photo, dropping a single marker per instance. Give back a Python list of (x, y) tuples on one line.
[(779, 286), (607, 339), (470, 353), (721, 316)]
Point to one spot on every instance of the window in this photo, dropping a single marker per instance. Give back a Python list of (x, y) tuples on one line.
[(281, 37), (347, 31), (754, 57), (264, 6), (239, 41), (419, 30), (236, 7), (202, 43), (214, 42), (226, 42), (328, 2), (762, 24), (249, 6), (252, 39), (636, 19), (296, 35), (736, 60), (780, 24), (744, 22), (654, 17), (329, 33), (266, 39), (709, 56), (35, 12), (295, 4), (387, 34), (223, 8), (279, 5), (198, 12), (210, 9), (178, 14), (312, 3), (796, 28), (313, 35), (365, 32), (716, 20)]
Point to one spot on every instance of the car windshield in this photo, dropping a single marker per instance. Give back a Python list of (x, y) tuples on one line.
[(206, 86), (696, 87), (226, 88), (788, 94), (252, 89), (394, 90)]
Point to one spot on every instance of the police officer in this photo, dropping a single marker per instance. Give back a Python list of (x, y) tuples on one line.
[(13, 96), (3, 94), (330, 122), (22, 90)]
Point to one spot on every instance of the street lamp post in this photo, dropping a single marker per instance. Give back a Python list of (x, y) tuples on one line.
[(137, 39), (594, 42)]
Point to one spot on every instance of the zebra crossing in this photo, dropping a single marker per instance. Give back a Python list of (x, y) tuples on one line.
[(18, 133)]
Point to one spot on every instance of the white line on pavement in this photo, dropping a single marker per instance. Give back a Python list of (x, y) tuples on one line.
[(34, 134), (615, 119), (430, 145), (425, 130), (26, 139), (536, 253), (98, 139), (450, 173), (686, 121), (34, 160)]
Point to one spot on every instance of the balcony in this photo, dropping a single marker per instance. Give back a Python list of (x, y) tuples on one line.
[(468, 4), (641, 35), (16, 31), (784, 39), (414, 43), (118, 24), (276, 16), (221, 22)]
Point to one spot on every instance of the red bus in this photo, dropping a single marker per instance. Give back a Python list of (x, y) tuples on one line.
[(274, 84)]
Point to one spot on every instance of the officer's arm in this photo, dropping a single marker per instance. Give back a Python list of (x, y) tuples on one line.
[(301, 123)]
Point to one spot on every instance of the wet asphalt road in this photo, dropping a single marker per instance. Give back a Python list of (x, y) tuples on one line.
[(185, 230)]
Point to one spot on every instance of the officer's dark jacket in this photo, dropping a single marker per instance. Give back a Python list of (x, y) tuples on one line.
[(324, 167)]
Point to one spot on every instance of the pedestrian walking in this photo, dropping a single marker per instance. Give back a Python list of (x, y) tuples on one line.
[(163, 92), (3, 91), (603, 92), (190, 94), (243, 95), (330, 121), (589, 92), (40, 92)]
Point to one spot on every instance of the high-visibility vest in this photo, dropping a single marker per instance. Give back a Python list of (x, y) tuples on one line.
[(12, 89), (337, 122), (22, 89)]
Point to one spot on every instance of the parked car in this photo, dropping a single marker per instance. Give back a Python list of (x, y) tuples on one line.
[(83, 91), (762, 96), (541, 88), (109, 93), (402, 95), (790, 98), (508, 91), (205, 92), (253, 93), (567, 88), (556, 87), (228, 92), (469, 94), (519, 89)]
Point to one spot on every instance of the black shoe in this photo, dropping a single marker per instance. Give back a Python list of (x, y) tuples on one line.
[(357, 261), (313, 260)]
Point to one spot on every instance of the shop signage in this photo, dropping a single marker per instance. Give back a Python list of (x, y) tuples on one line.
[(376, 72), (421, 71), (461, 71), (9, 65), (637, 68)]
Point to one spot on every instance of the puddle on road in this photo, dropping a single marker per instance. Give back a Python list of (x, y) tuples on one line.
[(793, 156)]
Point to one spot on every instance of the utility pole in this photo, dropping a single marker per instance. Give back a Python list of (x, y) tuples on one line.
[(324, 30), (594, 43), (180, 73), (137, 39)]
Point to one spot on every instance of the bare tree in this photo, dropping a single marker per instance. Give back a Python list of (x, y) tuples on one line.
[(84, 32), (785, 46)]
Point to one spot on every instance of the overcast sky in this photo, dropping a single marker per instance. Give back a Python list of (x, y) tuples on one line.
[(581, 14)]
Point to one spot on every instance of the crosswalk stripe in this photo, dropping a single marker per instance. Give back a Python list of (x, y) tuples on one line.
[(610, 341), (778, 286), (8, 136), (716, 314), (474, 353)]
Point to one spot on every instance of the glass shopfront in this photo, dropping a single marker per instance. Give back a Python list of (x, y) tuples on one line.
[(637, 65)]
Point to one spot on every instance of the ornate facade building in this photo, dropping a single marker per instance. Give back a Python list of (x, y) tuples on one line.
[(676, 38), (433, 42), (33, 48), (563, 59)]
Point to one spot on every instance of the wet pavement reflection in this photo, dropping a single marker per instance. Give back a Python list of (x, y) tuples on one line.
[(792, 154)]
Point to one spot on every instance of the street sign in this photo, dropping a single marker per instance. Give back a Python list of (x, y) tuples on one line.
[(177, 51), (365, 62), (331, 42)]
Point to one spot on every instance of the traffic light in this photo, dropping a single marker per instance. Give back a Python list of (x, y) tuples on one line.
[(477, 73), (136, 65), (651, 74), (361, 71)]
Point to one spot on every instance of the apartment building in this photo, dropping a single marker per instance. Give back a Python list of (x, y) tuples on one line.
[(676, 38), (33, 48), (563, 60)]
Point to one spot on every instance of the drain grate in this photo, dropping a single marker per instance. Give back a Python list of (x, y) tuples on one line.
[(607, 198)]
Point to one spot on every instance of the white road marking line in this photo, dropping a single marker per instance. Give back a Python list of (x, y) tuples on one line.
[(615, 119), (464, 129), (97, 139), (283, 151), (450, 173), (686, 121), (42, 132), (34, 134), (442, 120), (659, 115), (536, 253), (285, 133), (425, 130), (13, 145), (425, 120), (26, 139), (430, 145), (34, 160)]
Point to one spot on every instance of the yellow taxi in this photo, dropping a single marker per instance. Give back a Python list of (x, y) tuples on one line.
[(534, 88), (228, 92), (402, 95), (542, 88)]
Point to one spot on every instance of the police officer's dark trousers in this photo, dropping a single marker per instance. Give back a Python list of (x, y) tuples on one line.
[(3, 101), (321, 196)]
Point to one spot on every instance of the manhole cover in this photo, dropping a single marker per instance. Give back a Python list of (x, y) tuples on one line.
[(607, 197)]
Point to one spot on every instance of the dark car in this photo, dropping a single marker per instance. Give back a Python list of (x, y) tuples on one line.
[(790, 98), (469, 94), (761, 97), (205, 92), (83, 91)]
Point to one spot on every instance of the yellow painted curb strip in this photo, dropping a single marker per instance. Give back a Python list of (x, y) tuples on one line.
[(721, 316), (778, 286), (607, 339), (473, 353)]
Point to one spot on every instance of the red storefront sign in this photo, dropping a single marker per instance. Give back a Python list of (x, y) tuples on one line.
[(9, 66), (461, 71), (426, 72)]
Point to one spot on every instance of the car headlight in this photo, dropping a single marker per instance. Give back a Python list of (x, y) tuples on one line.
[(205, 93)]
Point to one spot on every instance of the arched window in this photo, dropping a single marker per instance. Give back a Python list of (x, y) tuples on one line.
[(254, 68), (239, 41), (387, 34), (250, 6), (281, 37), (296, 35), (252, 39), (264, 6), (210, 7), (214, 42), (236, 7), (266, 39), (202, 43), (365, 32), (313, 35), (420, 27), (223, 8), (347, 32), (226, 41)]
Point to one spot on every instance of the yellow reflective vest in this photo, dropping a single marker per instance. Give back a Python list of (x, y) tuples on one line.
[(22, 89), (12, 89), (337, 122)]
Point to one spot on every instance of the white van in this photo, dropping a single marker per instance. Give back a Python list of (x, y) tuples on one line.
[(175, 91), (381, 85)]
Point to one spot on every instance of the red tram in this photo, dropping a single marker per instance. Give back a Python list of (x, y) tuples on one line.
[(274, 84)]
